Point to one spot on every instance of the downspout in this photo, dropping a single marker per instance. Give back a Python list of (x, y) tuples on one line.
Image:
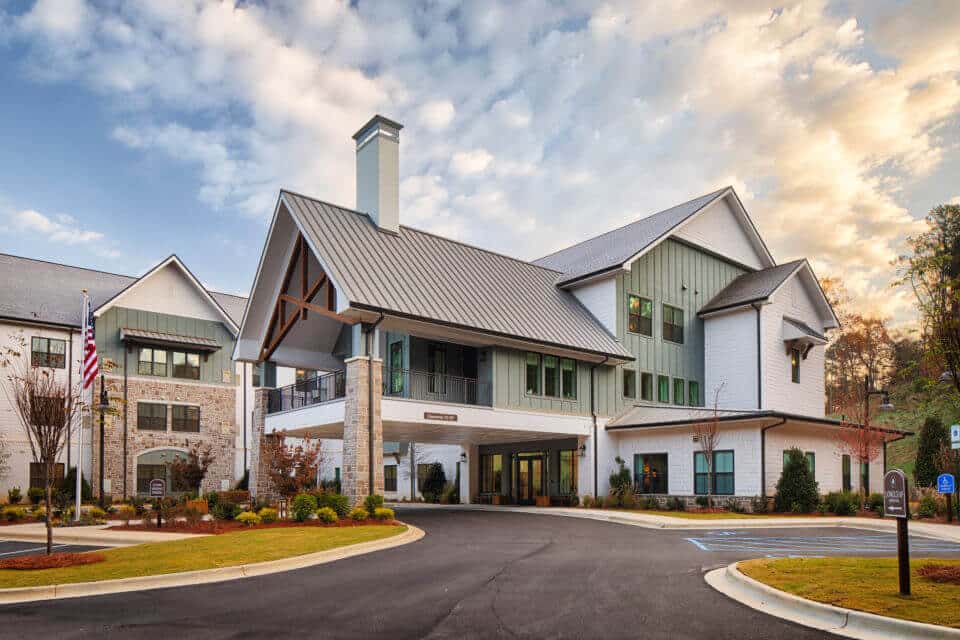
[(70, 402), (759, 363), (763, 455), (125, 353), (593, 417), (369, 329), (243, 369)]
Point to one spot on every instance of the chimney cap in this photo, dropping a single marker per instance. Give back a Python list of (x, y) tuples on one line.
[(377, 119)]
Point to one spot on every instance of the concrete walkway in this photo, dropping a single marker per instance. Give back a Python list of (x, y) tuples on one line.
[(95, 535)]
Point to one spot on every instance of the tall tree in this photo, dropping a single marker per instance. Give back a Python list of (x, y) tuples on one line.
[(932, 269), (933, 436)]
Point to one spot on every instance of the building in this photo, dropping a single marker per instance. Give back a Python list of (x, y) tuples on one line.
[(543, 372)]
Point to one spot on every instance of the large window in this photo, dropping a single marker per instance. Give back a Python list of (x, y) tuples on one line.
[(629, 383), (795, 365), (533, 374), (551, 377), (646, 387), (672, 324), (663, 389), (491, 473), (640, 319), (568, 378), (845, 472), (650, 472), (723, 484), (390, 477), (437, 367), (396, 368), (186, 418), (186, 365), (568, 472), (151, 416), (693, 389), (152, 362), (37, 474), (48, 352), (678, 391)]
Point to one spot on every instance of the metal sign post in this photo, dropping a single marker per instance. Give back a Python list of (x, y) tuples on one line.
[(896, 505), (158, 489), (947, 486)]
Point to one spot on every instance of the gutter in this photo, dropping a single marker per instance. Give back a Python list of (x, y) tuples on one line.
[(763, 455), (368, 332), (593, 417), (759, 363), (126, 351)]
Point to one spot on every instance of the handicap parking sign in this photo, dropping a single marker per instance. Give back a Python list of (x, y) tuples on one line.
[(946, 483)]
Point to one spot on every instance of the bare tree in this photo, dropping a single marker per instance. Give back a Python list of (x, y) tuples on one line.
[(707, 434), (45, 407)]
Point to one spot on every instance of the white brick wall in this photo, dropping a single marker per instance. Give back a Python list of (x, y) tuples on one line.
[(730, 358), (705, 230)]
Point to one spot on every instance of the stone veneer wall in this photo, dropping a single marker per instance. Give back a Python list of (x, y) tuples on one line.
[(355, 473), (260, 484), (218, 429)]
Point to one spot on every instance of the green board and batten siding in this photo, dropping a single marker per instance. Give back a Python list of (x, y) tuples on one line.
[(510, 388), (211, 368)]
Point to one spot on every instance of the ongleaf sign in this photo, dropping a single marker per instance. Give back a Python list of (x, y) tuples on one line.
[(895, 504)]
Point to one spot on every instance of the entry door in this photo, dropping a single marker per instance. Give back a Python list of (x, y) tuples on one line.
[(529, 480)]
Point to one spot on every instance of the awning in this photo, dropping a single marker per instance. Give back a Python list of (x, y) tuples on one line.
[(142, 336)]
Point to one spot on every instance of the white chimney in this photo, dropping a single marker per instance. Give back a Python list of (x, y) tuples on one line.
[(378, 172)]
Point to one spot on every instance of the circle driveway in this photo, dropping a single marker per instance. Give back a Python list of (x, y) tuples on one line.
[(475, 575)]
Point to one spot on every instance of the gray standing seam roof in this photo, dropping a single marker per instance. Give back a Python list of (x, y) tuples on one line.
[(48, 292), (613, 248), (416, 274), (751, 287)]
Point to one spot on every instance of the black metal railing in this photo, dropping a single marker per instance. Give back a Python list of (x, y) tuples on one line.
[(321, 388), (423, 385)]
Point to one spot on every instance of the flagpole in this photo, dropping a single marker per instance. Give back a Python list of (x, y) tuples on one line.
[(79, 489)]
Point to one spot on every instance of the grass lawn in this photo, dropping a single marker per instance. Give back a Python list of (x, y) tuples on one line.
[(207, 552), (866, 584)]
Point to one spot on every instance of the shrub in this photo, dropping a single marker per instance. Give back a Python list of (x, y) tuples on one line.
[(39, 514), (933, 435), (268, 515), (875, 502), (336, 501), (703, 502), (192, 515), (822, 508), (842, 503), (620, 481), (225, 511), (676, 504), (383, 513), (212, 498), (735, 506), (358, 514), (327, 515), (797, 490), (139, 504), (303, 506), (14, 496), (928, 507), (248, 518), (126, 513), (629, 501), (372, 503), (651, 503), (586, 501), (940, 573), (96, 513), (759, 504), (611, 502), (61, 502), (35, 495), (573, 500), (13, 513), (434, 482), (69, 485)]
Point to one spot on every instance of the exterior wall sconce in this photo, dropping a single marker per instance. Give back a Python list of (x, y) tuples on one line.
[(582, 450), (463, 456)]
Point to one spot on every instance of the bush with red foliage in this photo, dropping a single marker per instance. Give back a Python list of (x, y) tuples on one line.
[(52, 561), (940, 573)]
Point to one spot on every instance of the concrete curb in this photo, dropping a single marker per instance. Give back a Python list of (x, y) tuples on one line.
[(204, 576), (844, 622)]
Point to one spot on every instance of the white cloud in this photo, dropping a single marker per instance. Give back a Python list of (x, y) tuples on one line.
[(437, 115), (61, 229), (467, 163)]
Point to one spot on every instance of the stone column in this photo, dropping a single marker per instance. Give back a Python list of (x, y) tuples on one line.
[(259, 484), (357, 462)]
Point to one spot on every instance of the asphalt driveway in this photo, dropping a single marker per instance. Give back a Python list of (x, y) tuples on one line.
[(475, 575)]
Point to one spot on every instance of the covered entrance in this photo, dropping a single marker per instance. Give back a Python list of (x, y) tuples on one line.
[(532, 473), (530, 468)]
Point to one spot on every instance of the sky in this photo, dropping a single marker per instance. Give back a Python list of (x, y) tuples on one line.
[(133, 130)]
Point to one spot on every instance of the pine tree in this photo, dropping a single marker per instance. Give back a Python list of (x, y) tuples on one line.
[(932, 436)]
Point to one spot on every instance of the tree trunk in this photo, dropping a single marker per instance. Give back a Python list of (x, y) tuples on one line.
[(49, 505)]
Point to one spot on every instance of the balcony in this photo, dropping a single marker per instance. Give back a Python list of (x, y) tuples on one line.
[(434, 387), (315, 390)]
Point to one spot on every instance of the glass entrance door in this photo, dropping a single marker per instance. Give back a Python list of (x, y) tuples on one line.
[(529, 479)]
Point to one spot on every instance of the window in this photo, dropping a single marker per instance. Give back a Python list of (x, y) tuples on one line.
[(663, 389), (650, 472), (723, 484), (568, 472), (186, 418), (153, 362), (640, 318), (646, 387), (533, 374), (811, 461), (437, 367), (257, 375), (156, 465), (151, 416), (302, 375), (48, 352), (390, 477), (678, 391), (865, 477), (186, 365), (396, 367), (795, 365), (37, 474), (845, 471), (551, 380), (265, 375), (693, 390), (568, 378), (672, 324), (491, 473), (629, 383)]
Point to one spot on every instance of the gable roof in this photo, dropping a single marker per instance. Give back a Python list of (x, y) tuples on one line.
[(419, 275), (613, 249), (49, 293), (755, 286)]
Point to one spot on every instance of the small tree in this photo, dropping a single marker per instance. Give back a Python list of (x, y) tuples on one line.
[(933, 435), (292, 468), (620, 481), (797, 490), (864, 445), (707, 435), (434, 483), (45, 407), (188, 472)]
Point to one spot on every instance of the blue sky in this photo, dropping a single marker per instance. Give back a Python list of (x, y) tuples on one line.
[(131, 131)]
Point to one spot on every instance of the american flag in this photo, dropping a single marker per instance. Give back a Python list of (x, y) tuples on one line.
[(91, 365)]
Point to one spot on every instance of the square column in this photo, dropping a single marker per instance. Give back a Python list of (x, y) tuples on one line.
[(259, 483), (362, 429)]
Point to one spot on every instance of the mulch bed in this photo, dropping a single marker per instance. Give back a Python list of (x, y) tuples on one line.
[(227, 526), (940, 573), (52, 561)]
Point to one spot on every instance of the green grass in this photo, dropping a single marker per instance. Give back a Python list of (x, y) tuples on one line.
[(865, 584), (207, 552)]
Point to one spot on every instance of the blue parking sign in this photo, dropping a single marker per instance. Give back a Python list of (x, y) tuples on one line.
[(946, 483)]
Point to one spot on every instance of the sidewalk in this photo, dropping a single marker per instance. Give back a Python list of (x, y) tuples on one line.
[(95, 535), (655, 521)]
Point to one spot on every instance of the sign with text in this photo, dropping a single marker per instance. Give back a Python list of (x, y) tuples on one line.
[(946, 483), (158, 488), (955, 436), (442, 417), (895, 494)]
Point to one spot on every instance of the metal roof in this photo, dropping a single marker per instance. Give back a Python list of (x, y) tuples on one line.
[(158, 337), (613, 248), (417, 274), (804, 328), (755, 286), (47, 292)]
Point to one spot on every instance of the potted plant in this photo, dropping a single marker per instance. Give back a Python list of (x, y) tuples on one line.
[(543, 501)]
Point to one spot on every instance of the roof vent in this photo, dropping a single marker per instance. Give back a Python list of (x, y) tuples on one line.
[(378, 172)]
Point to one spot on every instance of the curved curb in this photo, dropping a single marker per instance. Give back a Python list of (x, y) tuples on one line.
[(205, 576), (844, 622)]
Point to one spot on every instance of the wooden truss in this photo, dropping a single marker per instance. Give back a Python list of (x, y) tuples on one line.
[(281, 323)]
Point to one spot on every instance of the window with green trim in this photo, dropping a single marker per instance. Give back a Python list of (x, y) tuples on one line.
[(678, 391), (672, 324), (663, 389), (640, 316), (723, 473), (646, 386), (693, 390), (533, 374), (811, 458), (845, 471), (568, 378), (551, 377), (152, 362), (629, 383)]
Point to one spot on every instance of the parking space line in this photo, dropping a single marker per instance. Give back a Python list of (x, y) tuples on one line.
[(43, 548)]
